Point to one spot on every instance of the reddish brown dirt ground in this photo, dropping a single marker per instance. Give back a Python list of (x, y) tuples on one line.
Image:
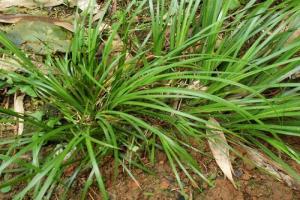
[(252, 184)]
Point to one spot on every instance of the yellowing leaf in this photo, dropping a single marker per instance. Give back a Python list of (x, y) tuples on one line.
[(219, 148)]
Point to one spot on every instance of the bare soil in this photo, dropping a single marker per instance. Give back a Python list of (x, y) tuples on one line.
[(252, 184)]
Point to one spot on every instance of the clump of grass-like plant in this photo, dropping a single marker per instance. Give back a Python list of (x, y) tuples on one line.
[(205, 59)]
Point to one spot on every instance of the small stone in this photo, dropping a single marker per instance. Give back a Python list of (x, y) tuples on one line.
[(249, 166), (164, 184), (238, 172), (246, 176), (133, 185), (205, 186)]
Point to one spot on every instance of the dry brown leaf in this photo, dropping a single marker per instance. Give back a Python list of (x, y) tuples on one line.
[(19, 108), (11, 65), (4, 4), (263, 162), (87, 4), (12, 19), (219, 147)]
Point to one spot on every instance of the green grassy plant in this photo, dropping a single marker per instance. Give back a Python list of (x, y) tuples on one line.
[(239, 63)]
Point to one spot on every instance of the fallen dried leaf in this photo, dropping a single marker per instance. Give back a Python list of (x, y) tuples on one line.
[(12, 65), (39, 37), (19, 108), (13, 19), (263, 162), (219, 147), (4, 4)]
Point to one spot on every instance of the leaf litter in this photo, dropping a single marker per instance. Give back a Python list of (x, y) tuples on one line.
[(14, 19), (219, 148), (5, 4), (263, 162)]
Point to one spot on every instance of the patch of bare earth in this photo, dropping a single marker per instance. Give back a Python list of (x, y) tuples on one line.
[(252, 184)]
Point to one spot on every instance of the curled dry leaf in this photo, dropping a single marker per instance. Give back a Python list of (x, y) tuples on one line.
[(219, 147), (263, 162), (39, 37), (19, 108), (38, 34), (13, 19), (4, 4)]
